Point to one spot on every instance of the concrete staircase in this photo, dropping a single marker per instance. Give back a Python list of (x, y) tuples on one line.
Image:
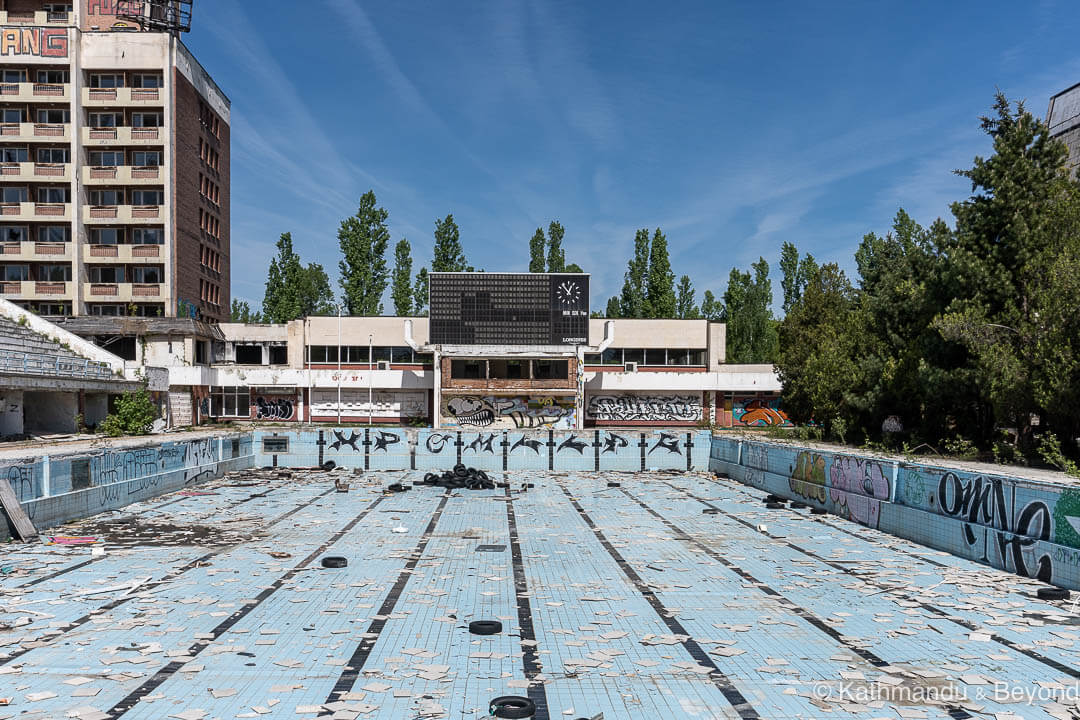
[(25, 350)]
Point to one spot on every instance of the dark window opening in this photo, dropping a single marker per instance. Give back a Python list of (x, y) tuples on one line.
[(279, 355), (551, 369), (467, 369), (508, 369), (249, 354)]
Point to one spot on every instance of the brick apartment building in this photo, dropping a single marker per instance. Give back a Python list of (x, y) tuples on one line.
[(114, 165), (1063, 117)]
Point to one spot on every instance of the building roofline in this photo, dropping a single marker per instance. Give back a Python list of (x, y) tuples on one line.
[(206, 72)]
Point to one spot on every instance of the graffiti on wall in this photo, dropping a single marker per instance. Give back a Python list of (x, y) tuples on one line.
[(978, 500), (857, 486), (758, 412), (273, 408), (649, 408), (402, 405), (807, 478), (513, 411), (33, 42)]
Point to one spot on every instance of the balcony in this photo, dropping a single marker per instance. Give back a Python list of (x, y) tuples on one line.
[(113, 254), (36, 289), (123, 214), (35, 132), (35, 92), (122, 97), (31, 251), (92, 136), (40, 172), (122, 175), (31, 17), (35, 211), (121, 292)]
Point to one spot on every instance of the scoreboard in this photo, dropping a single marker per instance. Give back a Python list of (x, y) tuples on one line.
[(509, 308)]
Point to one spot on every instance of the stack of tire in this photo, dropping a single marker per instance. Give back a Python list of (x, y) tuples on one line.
[(459, 478)]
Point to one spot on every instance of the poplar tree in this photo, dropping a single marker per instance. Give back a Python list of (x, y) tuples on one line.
[(556, 257), (363, 239), (420, 292), (684, 300), (660, 285), (632, 298), (537, 262), (401, 290), (449, 256)]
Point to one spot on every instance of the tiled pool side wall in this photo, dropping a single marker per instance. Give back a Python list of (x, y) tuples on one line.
[(56, 490), (437, 450), (1023, 526)]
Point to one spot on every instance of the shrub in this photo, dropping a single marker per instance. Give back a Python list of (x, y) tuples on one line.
[(135, 414)]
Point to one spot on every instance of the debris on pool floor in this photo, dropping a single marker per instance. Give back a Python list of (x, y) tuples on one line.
[(273, 593)]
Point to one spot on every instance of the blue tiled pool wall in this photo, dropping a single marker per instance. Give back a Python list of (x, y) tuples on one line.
[(55, 490), (1023, 526), (437, 450)]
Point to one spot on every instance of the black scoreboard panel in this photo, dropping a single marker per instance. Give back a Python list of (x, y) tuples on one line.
[(509, 309)]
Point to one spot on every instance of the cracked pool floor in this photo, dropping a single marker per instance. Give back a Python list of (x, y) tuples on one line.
[(665, 596)]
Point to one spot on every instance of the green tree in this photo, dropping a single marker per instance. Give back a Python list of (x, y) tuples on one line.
[(401, 290), (751, 330), (711, 310), (684, 302), (614, 307), (632, 298), (660, 283), (556, 257), (363, 239), (134, 414), (449, 256), (817, 342), (241, 312), (537, 264), (294, 291), (796, 273), (573, 268), (420, 292)]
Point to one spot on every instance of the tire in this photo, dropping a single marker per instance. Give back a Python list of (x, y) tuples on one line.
[(818, 511), (431, 479), (775, 505), (334, 561), (710, 511), (1052, 593), (512, 706), (482, 476), (773, 498), (503, 484), (396, 487), (485, 627), (798, 506), (460, 470), (613, 484), (328, 465)]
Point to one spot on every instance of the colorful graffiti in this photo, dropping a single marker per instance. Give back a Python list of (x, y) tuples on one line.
[(648, 408), (857, 487), (512, 411), (34, 42), (808, 476), (758, 412)]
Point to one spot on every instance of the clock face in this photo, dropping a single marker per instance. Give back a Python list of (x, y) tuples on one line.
[(569, 293)]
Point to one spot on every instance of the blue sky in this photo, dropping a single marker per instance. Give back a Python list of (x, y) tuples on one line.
[(732, 126)]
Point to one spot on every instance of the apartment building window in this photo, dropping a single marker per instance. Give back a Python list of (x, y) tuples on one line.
[(13, 115), (15, 273), (54, 155), (54, 273), (146, 158), (13, 76), (106, 236), (147, 236), (53, 116), (147, 120), (14, 194), (53, 194), (106, 197), (53, 77), (106, 80), (147, 197), (106, 273), (14, 233), (146, 80), (230, 402), (14, 154), (106, 158), (106, 120), (147, 274), (54, 233)]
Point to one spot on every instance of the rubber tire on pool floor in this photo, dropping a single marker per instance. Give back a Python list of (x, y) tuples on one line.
[(818, 511), (1052, 593), (512, 706), (485, 627), (334, 561), (774, 505), (396, 487)]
